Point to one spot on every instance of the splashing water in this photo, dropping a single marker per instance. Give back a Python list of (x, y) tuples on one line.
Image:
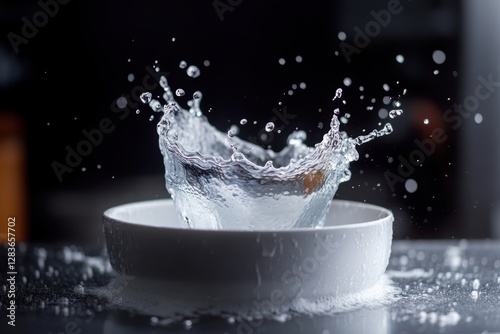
[(219, 181)]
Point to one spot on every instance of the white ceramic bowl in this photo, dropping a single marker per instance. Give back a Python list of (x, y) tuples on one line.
[(225, 268)]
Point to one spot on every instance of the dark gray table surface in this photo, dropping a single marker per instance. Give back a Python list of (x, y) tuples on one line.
[(445, 287)]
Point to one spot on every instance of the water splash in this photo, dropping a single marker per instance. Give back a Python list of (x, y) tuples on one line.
[(219, 181)]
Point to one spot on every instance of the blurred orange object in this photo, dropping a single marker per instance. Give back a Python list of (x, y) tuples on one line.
[(12, 177)]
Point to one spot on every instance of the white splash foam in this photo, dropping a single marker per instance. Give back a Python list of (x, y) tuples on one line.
[(414, 273), (382, 293)]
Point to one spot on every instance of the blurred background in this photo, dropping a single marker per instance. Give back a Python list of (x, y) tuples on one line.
[(74, 140)]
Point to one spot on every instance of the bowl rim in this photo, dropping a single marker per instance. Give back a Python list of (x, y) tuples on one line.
[(386, 216)]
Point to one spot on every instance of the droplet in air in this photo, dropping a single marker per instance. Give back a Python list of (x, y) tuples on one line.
[(347, 82), (269, 127), (342, 35), (130, 77), (243, 121), (439, 57), (302, 85), (386, 87), (183, 64), (396, 112), (338, 94), (426, 121), (478, 118), (193, 71), (121, 102), (206, 63), (400, 59), (146, 97), (282, 61), (411, 185), (383, 113), (298, 59), (180, 92)]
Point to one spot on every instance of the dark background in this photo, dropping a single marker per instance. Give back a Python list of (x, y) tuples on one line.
[(66, 78)]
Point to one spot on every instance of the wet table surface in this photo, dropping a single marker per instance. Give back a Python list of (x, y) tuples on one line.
[(445, 287)]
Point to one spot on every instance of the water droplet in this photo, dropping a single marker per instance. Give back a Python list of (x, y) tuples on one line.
[(298, 59), (130, 77), (411, 185), (180, 92), (386, 87), (137, 111), (302, 85), (188, 324), (338, 93), (146, 97), (173, 39), (426, 121), (78, 289), (294, 86), (196, 95), (183, 64), (282, 61), (400, 59), (243, 121), (121, 102), (84, 169), (151, 118), (478, 118), (193, 71), (395, 112), (383, 113), (206, 63), (475, 284), (347, 81), (156, 106), (99, 166), (342, 35), (269, 127), (436, 72), (439, 57)]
